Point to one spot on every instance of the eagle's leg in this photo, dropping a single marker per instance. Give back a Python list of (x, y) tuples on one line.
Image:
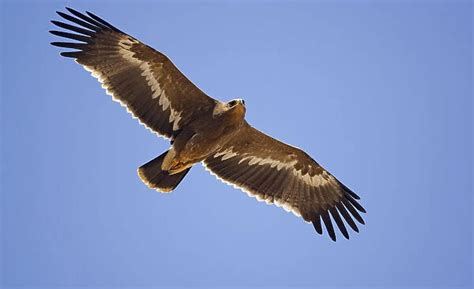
[(178, 167), (173, 164), (178, 158)]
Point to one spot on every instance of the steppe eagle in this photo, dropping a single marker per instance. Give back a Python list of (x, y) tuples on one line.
[(203, 129)]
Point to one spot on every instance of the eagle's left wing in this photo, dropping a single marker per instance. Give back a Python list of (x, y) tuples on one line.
[(275, 172), (142, 79)]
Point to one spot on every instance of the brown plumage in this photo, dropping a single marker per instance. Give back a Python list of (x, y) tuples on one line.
[(203, 129)]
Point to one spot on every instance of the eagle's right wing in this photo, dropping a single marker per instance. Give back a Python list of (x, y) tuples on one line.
[(275, 172), (142, 79)]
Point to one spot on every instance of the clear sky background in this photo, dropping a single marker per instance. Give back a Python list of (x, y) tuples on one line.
[(380, 93)]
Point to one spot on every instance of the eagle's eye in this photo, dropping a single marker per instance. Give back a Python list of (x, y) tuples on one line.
[(233, 102)]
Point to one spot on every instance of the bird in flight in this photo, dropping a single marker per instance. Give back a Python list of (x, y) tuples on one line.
[(203, 129)]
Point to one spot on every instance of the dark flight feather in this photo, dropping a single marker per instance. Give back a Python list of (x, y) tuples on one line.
[(72, 28), (317, 224), (69, 45), (78, 21), (337, 218), (328, 224), (97, 18), (88, 19), (71, 36)]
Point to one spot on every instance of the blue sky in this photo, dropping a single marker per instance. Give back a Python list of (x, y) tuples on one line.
[(380, 93)]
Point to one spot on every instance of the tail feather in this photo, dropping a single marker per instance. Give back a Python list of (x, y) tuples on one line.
[(156, 178)]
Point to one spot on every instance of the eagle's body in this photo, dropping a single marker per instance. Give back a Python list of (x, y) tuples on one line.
[(203, 129), (204, 137)]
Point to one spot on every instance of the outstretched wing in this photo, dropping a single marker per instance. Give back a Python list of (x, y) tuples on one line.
[(281, 174), (142, 79)]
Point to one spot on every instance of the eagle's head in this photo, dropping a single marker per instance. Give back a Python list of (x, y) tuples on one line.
[(236, 102), (236, 107)]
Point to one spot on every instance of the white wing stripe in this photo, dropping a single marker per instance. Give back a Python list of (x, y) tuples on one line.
[(227, 154), (147, 72), (314, 181)]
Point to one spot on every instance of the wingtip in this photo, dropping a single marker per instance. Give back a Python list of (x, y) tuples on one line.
[(349, 191), (346, 235), (355, 228), (317, 225), (70, 9), (62, 14), (92, 15), (70, 54)]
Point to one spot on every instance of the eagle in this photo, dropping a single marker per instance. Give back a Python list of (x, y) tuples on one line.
[(202, 129)]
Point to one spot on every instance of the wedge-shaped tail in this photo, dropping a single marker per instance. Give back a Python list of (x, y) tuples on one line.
[(156, 178)]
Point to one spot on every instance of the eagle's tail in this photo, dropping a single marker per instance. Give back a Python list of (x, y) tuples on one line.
[(156, 178)]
